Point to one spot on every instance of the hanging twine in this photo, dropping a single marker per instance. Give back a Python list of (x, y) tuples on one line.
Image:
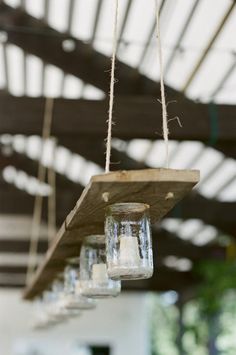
[(52, 196), (165, 129), (37, 213), (112, 84)]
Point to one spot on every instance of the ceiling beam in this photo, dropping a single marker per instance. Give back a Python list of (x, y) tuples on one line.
[(22, 163), (177, 46), (21, 246), (210, 44), (166, 243), (165, 280), (36, 38), (209, 211), (219, 214), (135, 117)]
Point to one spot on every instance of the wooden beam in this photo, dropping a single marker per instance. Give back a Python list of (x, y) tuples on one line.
[(13, 269), (135, 117), (165, 280), (14, 201), (29, 166), (35, 37), (166, 243), (19, 285), (219, 214), (163, 241), (201, 60), (21, 246)]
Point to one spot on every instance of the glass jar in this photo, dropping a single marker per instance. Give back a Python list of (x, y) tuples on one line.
[(72, 297), (94, 280), (58, 310), (41, 318), (128, 241)]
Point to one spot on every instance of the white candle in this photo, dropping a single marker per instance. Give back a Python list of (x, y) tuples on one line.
[(77, 287), (99, 273), (129, 250)]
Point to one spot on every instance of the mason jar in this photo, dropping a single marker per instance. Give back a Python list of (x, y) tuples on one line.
[(128, 241), (41, 318), (94, 280), (56, 308), (72, 297)]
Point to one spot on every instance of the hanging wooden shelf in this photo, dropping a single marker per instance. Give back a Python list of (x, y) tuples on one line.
[(162, 189)]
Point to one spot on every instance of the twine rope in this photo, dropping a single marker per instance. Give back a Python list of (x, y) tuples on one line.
[(165, 129), (112, 84), (52, 196), (37, 213)]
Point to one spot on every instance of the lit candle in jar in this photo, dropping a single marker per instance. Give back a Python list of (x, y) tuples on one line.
[(99, 272), (129, 251)]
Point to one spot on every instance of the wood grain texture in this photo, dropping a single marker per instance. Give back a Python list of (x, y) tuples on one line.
[(162, 189)]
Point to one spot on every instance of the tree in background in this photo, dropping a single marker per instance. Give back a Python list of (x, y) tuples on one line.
[(208, 321)]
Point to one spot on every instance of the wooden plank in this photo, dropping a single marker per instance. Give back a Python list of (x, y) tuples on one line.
[(160, 188)]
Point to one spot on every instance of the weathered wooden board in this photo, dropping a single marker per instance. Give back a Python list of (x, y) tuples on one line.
[(162, 189)]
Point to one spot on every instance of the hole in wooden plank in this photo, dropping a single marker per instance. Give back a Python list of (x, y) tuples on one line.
[(169, 196), (105, 196)]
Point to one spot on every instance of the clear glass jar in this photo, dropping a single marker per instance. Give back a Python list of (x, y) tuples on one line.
[(41, 318), (128, 241), (94, 280), (57, 310), (52, 306), (72, 298)]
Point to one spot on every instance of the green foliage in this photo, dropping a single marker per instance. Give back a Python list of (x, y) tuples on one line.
[(196, 330), (219, 277), (211, 313), (164, 325)]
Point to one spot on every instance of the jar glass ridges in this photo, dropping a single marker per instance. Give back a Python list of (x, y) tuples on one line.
[(94, 280), (128, 241)]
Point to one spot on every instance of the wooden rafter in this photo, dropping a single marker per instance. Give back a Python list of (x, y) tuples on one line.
[(219, 214), (211, 212), (136, 117), (36, 38), (164, 244), (180, 281)]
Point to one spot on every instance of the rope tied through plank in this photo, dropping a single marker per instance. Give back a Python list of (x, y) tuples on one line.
[(38, 203), (52, 195), (112, 84), (165, 129)]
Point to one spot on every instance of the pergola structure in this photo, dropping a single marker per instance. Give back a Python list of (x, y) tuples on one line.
[(79, 124)]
